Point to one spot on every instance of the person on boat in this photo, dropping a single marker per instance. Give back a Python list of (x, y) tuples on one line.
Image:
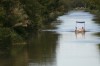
[(80, 29)]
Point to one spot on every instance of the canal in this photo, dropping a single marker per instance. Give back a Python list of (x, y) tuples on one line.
[(60, 46)]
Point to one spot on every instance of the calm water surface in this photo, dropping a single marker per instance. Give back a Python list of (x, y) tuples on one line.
[(58, 47)]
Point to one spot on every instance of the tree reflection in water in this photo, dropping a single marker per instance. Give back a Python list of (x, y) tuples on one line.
[(39, 50), (42, 49)]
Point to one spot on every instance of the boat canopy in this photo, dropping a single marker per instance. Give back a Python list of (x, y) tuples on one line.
[(79, 22)]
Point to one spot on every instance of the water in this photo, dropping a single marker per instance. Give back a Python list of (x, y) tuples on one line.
[(58, 47), (77, 49)]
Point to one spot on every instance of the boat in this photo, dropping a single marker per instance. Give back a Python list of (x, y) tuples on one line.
[(81, 28)]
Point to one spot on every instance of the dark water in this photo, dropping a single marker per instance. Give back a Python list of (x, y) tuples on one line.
[(58, 47)]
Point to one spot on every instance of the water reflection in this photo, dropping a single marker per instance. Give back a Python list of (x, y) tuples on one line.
[(56, 48), (39, 51), (14, 56), (78, 55), (80, 35), (78, 49), (42, 49)]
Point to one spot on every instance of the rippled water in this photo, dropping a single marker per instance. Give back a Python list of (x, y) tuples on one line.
[(60, 46)]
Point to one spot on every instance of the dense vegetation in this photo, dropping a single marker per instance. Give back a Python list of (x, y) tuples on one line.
[(20, 17)]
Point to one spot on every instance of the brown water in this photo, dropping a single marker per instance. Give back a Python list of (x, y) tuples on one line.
[(58, 47)]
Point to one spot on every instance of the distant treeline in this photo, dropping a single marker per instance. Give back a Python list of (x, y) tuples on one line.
[(23, 16)]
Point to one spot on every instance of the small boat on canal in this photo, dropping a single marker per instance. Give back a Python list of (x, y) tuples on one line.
[(80, 27)]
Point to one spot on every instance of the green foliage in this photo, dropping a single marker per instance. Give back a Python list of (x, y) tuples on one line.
[(23, 16), (7, 35)]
